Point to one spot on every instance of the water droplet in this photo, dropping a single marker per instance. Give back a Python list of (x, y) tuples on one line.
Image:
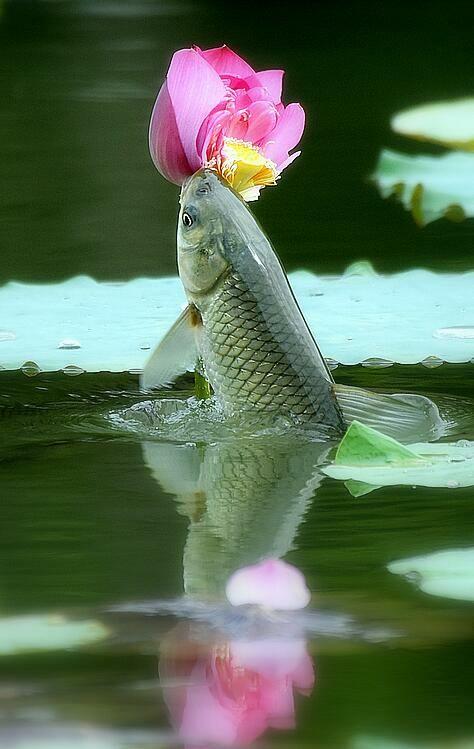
[(145, 346), (7, 335), (317, 293), (455, 331), (377, 363), (69, 343), (431, 362), (72, 370), (360, 268), (452, 484), (30, 369), (331, 363)]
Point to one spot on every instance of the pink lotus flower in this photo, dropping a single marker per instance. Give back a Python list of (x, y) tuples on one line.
[(229, 693), (273, 584), (214, 110)]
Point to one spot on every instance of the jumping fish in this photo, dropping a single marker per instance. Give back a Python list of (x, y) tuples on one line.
[(245, 328)]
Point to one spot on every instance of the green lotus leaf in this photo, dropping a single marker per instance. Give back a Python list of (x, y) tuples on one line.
[(83, 325), (374, 460), (448, 122), (23, 634), (377, 742), (448, 573), (431, 187), (365, 446)]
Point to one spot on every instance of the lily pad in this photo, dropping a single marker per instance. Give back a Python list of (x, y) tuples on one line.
[(431, 187), (46, 734), (378, 318), (23, 634), (448, 122), (373, 460), (378, 742), (363, 445), (447, 573)]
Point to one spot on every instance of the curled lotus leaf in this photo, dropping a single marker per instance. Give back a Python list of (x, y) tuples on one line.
[(450, 123), (431, 187)]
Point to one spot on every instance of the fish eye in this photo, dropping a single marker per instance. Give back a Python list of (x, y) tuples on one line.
[(187, 219)]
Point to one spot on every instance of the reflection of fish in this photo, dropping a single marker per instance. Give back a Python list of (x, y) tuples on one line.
[(244, 324), (244, 499), (243, 320)]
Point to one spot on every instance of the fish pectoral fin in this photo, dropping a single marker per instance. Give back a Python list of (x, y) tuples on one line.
[(405, 417), (175, 354)]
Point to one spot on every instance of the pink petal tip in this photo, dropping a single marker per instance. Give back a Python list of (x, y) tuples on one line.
[(273, 584)]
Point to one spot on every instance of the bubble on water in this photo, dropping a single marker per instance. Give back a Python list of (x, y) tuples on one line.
[(452, 484), (360, 268), (69, 343), (413, 577), (7, 335), (431, 362), (145, 346), (331, 363), (455, 331), (72, 370), (135, 371), (30, 369), (377, 363), (464, 443)]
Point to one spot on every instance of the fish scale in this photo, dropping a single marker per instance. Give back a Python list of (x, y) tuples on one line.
[(246, 364)]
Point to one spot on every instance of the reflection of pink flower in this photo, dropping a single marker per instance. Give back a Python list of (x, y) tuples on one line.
[(214, 109), (272, 583), (230, 693)]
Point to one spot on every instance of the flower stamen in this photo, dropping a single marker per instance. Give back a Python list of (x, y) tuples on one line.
[(244, 167)]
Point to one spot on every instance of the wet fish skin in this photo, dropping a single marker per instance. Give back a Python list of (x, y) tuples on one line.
[(255, 345)]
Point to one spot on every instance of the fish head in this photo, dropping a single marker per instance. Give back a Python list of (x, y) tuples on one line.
[(209, 208)]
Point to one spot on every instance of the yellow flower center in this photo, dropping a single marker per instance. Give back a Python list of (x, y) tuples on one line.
[(245, 168)]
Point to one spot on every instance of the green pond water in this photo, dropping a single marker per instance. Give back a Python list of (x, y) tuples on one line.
[(99, 514)]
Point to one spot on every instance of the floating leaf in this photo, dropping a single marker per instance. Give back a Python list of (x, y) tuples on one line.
[(448, 122), (22, 634), (373, 460), (364, 446), (377, 742), (431, 187), (445, 573), (378, 317)]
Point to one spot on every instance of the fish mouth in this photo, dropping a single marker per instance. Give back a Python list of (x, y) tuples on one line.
[(201, 183)]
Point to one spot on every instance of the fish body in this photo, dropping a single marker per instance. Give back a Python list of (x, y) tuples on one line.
[(243, 327), (257, 354), (256, 348)]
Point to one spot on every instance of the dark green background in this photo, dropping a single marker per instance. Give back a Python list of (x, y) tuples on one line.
[(79, 193)]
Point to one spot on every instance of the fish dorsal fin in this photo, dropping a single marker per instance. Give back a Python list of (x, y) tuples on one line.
[(175, 354)]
